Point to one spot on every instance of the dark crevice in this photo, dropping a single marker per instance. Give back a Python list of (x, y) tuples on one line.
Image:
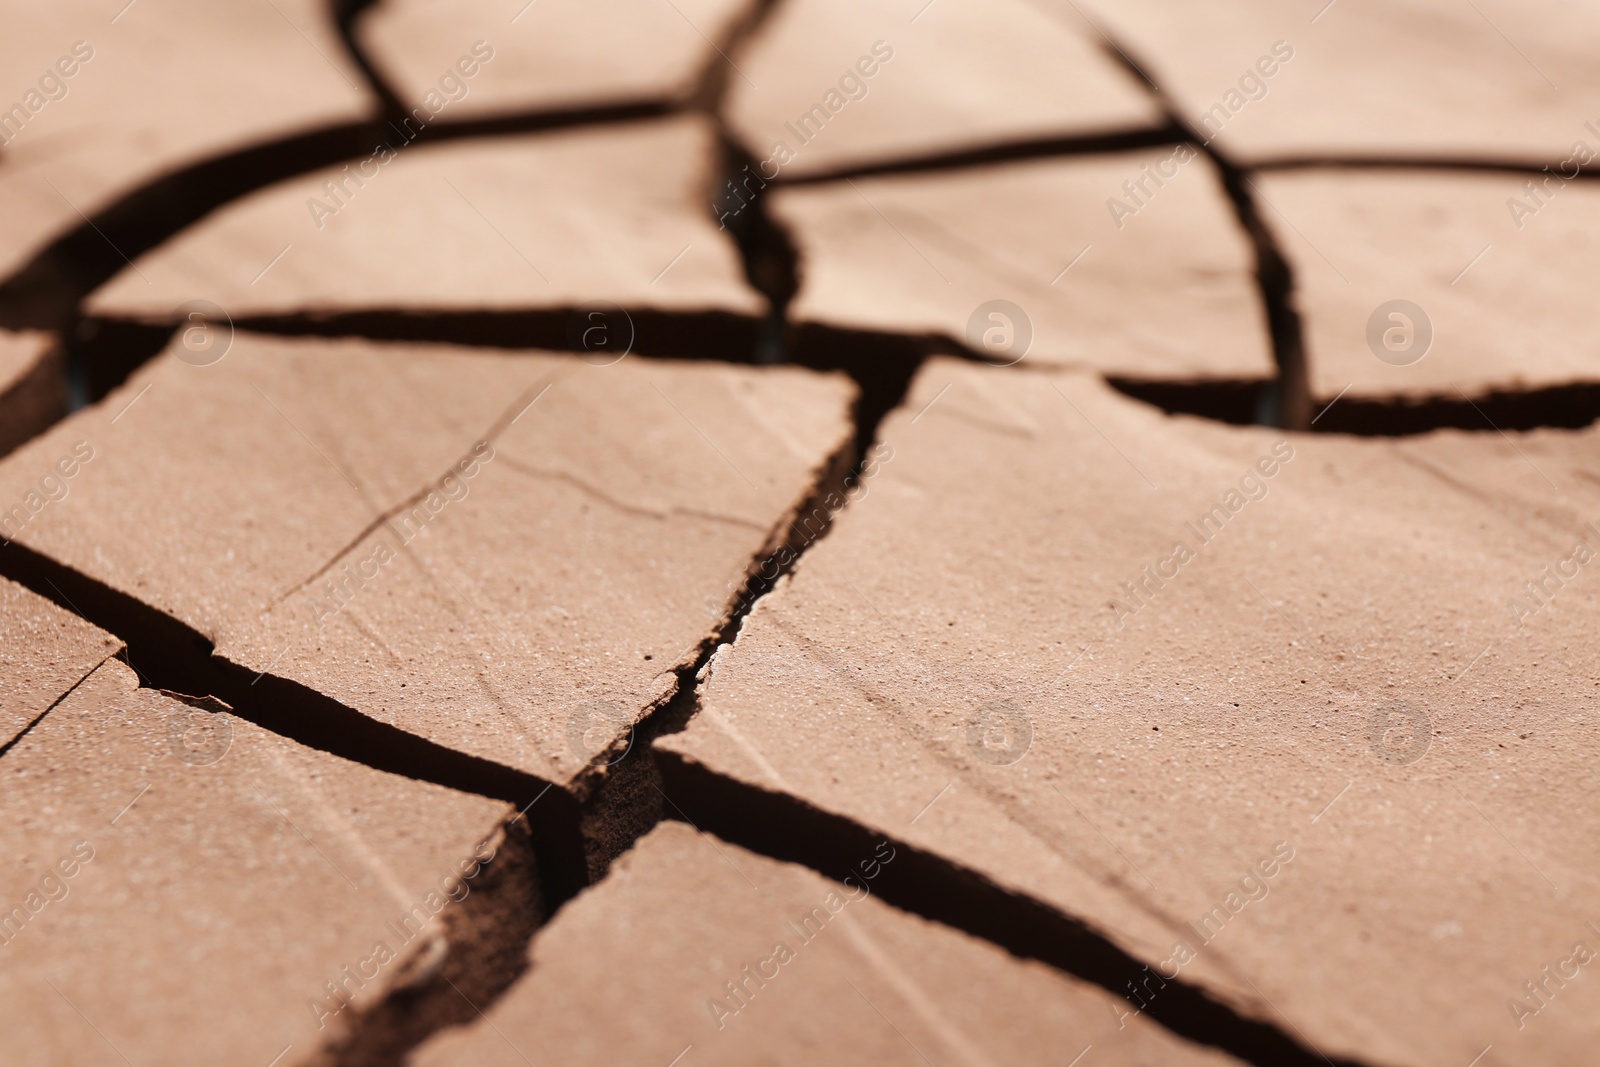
[(1287, 403), (922, 883), (662, 334), (623, 790), (46, 292), (1462, 164), (738, 195), (770, 257), (170, 656), (483, 938), (108, 350), (35, 401), (103, 353), (1006, 152), (711, 84), (572, 842), (882, 365), (624, 800), (346, 13), (1238, 403), (569, 842), (624, 795), (1571, 407)]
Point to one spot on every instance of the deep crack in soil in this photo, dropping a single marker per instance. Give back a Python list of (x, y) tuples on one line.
[(562, 844)]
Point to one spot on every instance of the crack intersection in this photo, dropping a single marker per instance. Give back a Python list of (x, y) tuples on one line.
[(567, 835)]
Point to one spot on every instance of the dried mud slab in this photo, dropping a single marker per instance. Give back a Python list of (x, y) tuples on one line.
[(107, 100), (1286, 719), (1495, 281), (487, 58), (44, 650), (508, 554), (1166, 291), (513, 223), (33, 386), (187, 888), (736, 958), (829, 84), (1417, 78)]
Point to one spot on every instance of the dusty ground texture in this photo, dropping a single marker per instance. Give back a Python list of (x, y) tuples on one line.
[(799, 531)]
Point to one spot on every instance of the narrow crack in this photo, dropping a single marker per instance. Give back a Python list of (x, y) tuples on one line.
[(168, 655), (737, 198), (572, 842), (563, 843), (594, 492), (346, 13), (501, 423), (1001, 152), (1287, 403), (47, 291), (1462, 164), (623, 803), (485, 936), (37, 719)]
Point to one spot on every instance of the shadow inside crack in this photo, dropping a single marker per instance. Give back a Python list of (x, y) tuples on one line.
[(986, 155), (1288, 404), (922, 883), (1459, 164), (166, 654), (1238, 403), (46, 291), (1570, 407), (484, 939)]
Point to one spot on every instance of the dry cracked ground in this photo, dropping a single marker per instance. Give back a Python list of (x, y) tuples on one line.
[(682, 532)]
